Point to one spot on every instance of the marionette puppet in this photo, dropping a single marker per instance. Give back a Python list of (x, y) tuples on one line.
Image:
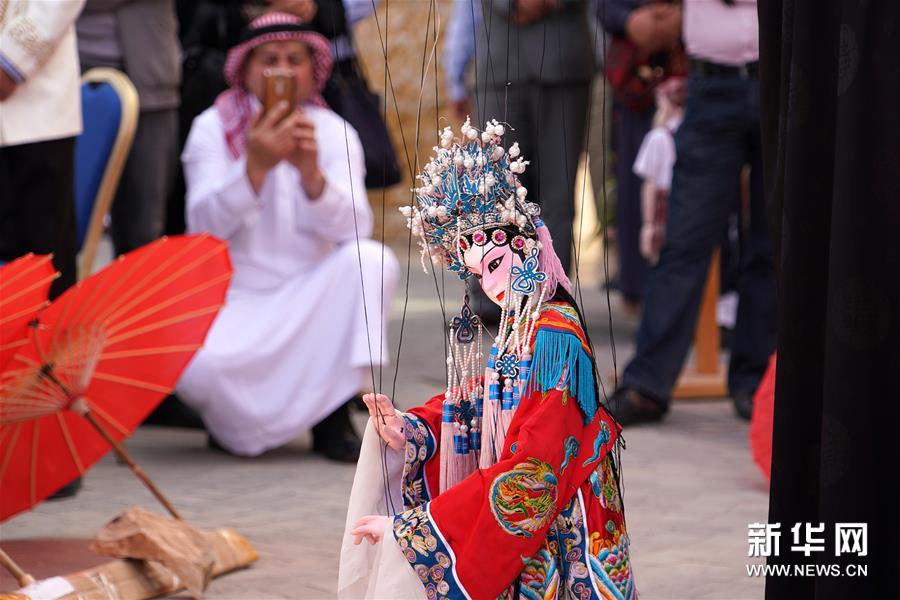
[(506, 485)]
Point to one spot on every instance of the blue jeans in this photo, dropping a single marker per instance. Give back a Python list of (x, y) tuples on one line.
[(719, 135)]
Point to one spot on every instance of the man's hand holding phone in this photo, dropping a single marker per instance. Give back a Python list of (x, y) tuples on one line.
[(270, 140), (305, 156)]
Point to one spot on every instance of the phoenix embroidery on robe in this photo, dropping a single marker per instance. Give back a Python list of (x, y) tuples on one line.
[(524, 499)]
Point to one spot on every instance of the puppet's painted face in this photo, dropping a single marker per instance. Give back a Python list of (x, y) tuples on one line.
[(492, 264)]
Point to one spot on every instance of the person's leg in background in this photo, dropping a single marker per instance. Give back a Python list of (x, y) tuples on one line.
[(710, 146), (755, 329), (730, 268), (38, 205), (139, 210), (632, 126), (561, 113)]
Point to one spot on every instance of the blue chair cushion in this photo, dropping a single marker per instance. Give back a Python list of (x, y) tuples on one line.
[(101, 112)]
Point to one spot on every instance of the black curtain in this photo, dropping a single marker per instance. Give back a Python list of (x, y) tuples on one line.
[(830, 75)]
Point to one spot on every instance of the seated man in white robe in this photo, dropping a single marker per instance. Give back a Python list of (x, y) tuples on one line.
[(304, 323)]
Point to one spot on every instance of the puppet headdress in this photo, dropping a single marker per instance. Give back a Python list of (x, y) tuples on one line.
[(470, 193)]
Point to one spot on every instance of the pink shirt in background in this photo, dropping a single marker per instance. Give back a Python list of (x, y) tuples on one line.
[(716, 32)]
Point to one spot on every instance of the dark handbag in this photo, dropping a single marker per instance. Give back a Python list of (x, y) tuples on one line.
[(349, 96), (202, 61), (202, 64)]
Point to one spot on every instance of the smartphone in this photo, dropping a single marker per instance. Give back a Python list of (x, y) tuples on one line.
[(280, 84)]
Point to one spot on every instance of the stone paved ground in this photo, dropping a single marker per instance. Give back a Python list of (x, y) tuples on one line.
[(690, 487)]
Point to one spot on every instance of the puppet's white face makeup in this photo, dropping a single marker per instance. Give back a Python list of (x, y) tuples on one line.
[(492, 264)]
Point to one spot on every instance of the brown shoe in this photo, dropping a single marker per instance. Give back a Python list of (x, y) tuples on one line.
[(631, 407)]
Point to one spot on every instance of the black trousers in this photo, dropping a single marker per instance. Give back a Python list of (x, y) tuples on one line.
[(37, 205)]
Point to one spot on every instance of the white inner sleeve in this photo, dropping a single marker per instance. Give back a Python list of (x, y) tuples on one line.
[(379, 571)]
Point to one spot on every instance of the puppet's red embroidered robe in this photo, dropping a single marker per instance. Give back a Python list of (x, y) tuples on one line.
[(545, 521)]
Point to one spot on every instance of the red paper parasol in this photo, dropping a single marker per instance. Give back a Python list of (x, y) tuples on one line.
[(24, 285), (762, 420), (103, 356)]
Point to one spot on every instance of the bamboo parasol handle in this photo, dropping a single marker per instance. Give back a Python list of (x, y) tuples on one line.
[(81, 407), (135, 468), (10, 565)]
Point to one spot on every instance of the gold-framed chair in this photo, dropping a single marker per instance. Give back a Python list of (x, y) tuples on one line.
[(110, 107)]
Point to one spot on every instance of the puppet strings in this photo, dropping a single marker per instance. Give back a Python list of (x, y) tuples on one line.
[(362, 280), (382, 446), (412, 171), (376, 385), (565, 133), (434, 19), (600, 30)]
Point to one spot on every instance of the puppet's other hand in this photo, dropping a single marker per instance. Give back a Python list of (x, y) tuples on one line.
[(370, 528)]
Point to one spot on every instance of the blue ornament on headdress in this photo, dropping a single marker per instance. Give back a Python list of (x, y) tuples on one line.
[(527, 277)]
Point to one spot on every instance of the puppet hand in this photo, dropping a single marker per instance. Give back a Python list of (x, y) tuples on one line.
[(388, 425), (371, 528)]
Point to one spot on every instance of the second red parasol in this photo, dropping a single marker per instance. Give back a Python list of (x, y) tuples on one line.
[(24, 284)]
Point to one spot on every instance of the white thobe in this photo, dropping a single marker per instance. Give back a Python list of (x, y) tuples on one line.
[(305, 316)]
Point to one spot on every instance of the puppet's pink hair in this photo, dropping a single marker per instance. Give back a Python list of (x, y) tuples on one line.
[(548, 262)]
